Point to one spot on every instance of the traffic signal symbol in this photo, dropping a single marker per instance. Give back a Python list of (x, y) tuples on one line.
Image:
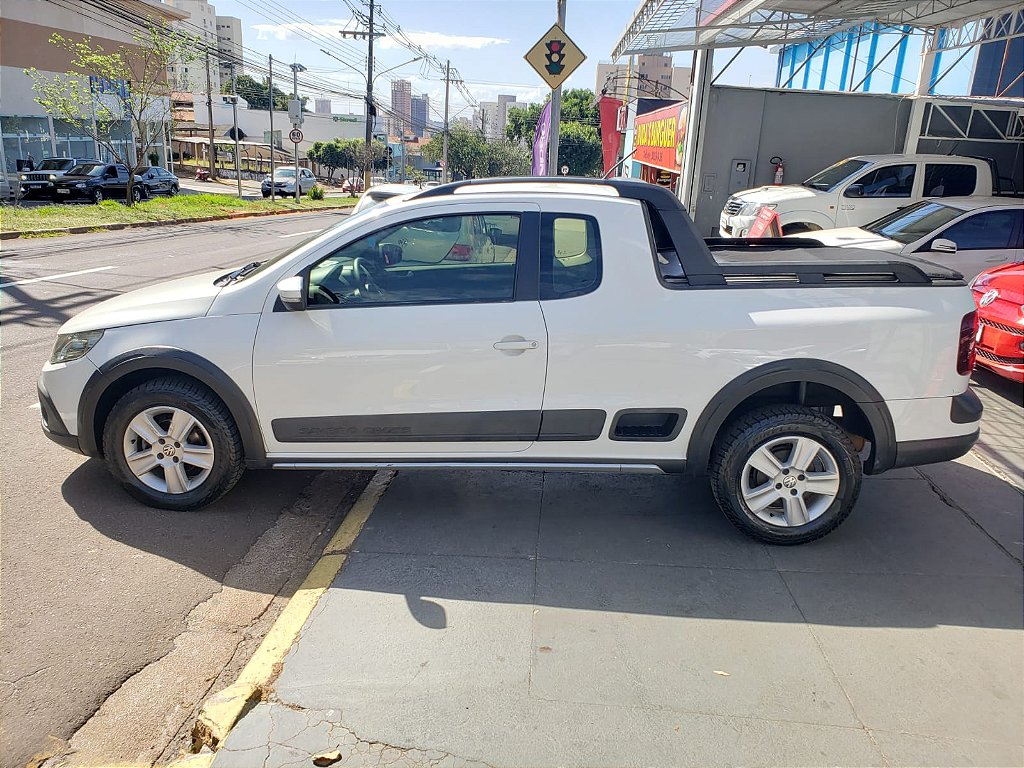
[(554, 57)]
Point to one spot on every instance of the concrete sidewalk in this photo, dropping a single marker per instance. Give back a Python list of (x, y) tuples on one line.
[(510, 619)]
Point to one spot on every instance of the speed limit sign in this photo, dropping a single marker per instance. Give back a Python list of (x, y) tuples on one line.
[(295, 135)]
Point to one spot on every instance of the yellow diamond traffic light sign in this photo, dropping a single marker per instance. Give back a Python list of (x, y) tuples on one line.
[(555, 57)]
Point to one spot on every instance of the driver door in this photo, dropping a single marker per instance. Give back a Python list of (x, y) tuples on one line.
[(882, 190), (399, 353)]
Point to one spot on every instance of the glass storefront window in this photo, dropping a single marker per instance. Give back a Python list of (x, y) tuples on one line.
[(24, 136), (71, 142), (120, 137)]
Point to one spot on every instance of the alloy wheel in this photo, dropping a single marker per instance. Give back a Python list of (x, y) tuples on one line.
[(168, 449), (790, 481)]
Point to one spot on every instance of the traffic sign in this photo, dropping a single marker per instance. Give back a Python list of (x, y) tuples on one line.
[(295, 135), (565, 170), (555, 57)]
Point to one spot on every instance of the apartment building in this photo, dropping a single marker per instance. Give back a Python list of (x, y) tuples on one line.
[(401, 107), (649, 76), (201, 21), (420, 115), (229, 46), (25, 28)]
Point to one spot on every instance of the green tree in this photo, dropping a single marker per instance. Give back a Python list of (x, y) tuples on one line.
[(522, 123), (579, 106), (465, 150), (503, 158), (579, 147), (257, 93), (103, 92), (330, 155)]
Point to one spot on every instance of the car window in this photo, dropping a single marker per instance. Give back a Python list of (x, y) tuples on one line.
[(834, 175), (888, 181), (441, 260), (570, 255), (984, 231), (949, 180), (913, 222)]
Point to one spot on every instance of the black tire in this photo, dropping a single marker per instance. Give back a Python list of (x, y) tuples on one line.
[(196, 400), (266, 195), (797, 229), (739, 440), (174, 190), (96, 196), (136, 195)]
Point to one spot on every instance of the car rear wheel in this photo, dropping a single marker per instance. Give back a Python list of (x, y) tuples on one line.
[(174, 190), (785, 474), (173, 444), (97, 196), (136, 195)]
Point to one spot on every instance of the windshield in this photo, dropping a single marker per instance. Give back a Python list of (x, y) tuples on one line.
[(834, 175), (52, 165), (914, 222), (284, 173), (264, 265), (87, 169)]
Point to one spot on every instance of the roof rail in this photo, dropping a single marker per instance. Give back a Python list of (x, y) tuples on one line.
[(629, 188)]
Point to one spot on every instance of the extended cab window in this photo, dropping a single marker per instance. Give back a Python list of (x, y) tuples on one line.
[(949, 180), (984, 231), (446, 259), (887, 181), (570, 256)]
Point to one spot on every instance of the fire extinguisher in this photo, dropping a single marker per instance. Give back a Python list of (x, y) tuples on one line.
[(780, 169)]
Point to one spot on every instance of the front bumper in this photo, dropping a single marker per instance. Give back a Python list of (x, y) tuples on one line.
[(735, 226), (1001, 347), (70, 193), (34, 187), (53, 425)]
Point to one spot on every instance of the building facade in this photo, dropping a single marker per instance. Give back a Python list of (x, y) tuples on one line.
[(322, 106), (420, 115), (201, 21), (648, 76), (25, 28), (401, 106), (229, 46)]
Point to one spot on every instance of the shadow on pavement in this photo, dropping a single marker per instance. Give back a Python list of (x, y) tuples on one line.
[(658, 545), (1010, 390), (209, 540)]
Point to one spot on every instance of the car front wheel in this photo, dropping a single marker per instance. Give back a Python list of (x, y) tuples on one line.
[(785, 474), (173, 444), (174, 190), (97, 196)]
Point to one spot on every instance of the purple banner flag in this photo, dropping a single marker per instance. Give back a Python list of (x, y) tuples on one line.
[(540, 142)]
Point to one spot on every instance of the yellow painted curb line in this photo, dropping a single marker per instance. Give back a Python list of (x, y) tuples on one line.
[(221, 711)]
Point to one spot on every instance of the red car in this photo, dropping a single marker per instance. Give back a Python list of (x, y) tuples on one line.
[(999, 294)]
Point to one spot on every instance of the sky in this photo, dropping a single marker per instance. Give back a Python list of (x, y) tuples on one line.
[(485, 40)]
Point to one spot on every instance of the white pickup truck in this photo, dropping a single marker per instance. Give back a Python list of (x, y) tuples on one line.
[(858, 190), (523, 324)]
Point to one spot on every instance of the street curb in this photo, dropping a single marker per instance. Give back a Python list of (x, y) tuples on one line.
[(164, 223), (223, 710)]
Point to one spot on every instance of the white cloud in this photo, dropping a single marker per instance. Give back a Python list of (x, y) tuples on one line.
[(440, 40), (293, 29)]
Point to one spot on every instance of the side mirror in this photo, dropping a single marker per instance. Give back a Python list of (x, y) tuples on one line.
[(941, 245), (292, 292), (390, 254), (854, 190)]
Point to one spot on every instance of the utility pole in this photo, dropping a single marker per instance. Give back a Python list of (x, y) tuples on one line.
[(369, 35), (234, 129), (296, 68), (270, 91), (444, 142), (209, 115), (556, 108)]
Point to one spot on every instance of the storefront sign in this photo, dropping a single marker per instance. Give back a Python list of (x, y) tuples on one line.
[(611, 139), (658, 138)]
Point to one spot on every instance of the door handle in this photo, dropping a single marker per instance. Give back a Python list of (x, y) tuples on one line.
[(515, 344)]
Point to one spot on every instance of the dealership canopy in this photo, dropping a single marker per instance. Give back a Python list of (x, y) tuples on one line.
[(681, 25)]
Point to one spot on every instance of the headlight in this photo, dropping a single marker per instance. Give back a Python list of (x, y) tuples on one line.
[(53, 177), (751, 209), (24, 177), (71, 346), (80, 185)]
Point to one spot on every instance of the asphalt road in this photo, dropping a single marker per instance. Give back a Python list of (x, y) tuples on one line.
[(93, 586)]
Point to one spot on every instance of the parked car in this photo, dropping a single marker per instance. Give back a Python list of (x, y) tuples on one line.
[(968, 234), (97, 182), (999, 293), (160, 181), (381, 193), (608, 337), (6, 191), (39, 182), (858, 190), (284, 182)]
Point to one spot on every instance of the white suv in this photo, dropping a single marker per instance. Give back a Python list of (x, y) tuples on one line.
[(533, 325)]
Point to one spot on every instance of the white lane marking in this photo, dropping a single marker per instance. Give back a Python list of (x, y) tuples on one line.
[(35, 405), (296, 234), (55, 277)]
